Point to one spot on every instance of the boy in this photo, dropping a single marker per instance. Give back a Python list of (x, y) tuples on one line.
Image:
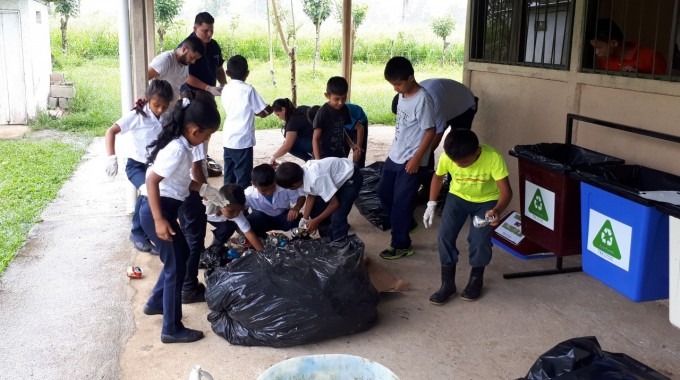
[(241, 103), (410, 150), (479, 187), (270, 203), (357, 131), (336, 181), (227, 218), (330, 137)]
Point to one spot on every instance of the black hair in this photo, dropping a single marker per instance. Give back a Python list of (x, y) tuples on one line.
[(202, 113), (237, 67), (263, 175), (337, 86), (157, 87), (311, 113), (204, 18), (288, 174), (460, 143), (194, 44), (284, 103), (607, 30), (395, 103), (398, 68), (234, 194), (203, 96)]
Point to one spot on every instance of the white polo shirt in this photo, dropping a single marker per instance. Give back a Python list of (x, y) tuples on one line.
[(241, 102), (324, 177), (199, 154), (241, 222), (280, 203), (173, 163), (143, 131), (169, 69)]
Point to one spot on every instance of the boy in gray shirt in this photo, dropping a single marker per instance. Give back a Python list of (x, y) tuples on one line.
[(398, 187)]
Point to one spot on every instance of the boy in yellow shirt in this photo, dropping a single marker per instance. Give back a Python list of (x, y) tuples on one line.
[(479, 187)]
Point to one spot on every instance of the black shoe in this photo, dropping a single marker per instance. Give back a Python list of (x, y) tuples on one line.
[(197, 294), (148, 310), (214, 169), (473, 290), (185, 336), (448, 288), (143, 246)]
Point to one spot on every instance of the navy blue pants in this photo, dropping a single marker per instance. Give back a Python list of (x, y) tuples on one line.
[(167, 293), (238, 164), (136, 173), (346, 195), (222, 231), (397, 191), (456, 212), (302, 148), (262, 223), (193, 220)]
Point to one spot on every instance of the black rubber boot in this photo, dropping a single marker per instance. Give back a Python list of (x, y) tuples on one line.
[(448, 287), (474, 286)]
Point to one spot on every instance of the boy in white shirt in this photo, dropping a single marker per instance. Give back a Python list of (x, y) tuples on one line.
[(227, 219), (241, 103), (331, 185)]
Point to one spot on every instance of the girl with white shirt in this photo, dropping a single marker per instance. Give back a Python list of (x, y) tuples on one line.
[(144, 125), (168, 183)]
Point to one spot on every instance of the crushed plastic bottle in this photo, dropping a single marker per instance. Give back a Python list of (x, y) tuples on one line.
[(479, 222)]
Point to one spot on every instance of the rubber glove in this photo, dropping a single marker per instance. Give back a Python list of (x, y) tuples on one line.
[(213, 195), (210, 208), (272, 160), (428, 217), (303, 223), (112, 165)]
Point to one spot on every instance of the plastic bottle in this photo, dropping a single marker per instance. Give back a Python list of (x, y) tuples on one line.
[(198, 374), (479, 222)]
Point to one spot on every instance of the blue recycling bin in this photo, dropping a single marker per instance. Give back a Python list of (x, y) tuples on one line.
[(625, 238)]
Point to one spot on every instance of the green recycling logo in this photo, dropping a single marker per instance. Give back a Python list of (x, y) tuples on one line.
[(537, 206), (605, 241)]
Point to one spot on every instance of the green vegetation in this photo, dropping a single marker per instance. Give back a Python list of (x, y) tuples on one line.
[(28, 181)]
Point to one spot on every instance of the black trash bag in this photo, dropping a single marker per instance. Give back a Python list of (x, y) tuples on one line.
[(583, 358), (368, 202), (563, 157), (215, 256), (301, 293)]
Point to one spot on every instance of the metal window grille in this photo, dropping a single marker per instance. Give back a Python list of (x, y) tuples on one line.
[(521, 32)]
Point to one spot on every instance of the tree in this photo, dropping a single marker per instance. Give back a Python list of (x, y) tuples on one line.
[(165, 12), (317, 11), (67, 9), (359, 12), (289, 44), (443, 27)]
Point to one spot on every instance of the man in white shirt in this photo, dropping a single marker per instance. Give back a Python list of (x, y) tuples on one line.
[(173, 66)]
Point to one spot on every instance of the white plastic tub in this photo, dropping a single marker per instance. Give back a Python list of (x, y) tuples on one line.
[(327, 367)]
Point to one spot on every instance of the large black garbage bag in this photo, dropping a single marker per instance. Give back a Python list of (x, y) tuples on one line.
[(368, 202), (301, 293), (583, 358), (562, 157)]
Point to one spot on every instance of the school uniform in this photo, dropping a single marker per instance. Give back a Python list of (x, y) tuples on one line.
[(241, 103), (225, 227), (173, 163), (330, 177), (271, 213)]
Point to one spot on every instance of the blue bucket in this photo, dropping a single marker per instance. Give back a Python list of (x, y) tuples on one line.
[(326, 367)]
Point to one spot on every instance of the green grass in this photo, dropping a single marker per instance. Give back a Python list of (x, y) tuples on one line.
[(28, 181)]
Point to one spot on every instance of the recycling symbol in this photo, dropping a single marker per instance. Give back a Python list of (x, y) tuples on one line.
[(605, 240), (538, 203), (537, 206)]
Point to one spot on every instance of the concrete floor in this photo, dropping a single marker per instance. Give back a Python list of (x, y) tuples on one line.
[(67, 310)]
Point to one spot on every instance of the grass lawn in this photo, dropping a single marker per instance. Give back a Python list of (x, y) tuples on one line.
[(31, 174)]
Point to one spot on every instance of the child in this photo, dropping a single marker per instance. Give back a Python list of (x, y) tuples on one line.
[(410, 149), (336, 181), (227, 218), (358, 133), (270, 203), (330, 136), (479, 187), (168, 183), (241, 103), (144, 125)]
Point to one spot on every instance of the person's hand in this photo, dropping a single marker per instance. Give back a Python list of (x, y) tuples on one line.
[(164, 230), (272, 161), (313, 225), (211, 208), (496, 218), (213, 195), (111, 165), (215, 91), (356, 153), (303, 223), (293, 214), (412, 165), (428, 217)]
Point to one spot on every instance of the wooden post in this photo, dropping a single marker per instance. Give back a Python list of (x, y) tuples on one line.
[(347, 57)]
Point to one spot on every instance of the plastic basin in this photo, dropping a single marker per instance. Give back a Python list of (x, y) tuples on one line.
[(327, 367)]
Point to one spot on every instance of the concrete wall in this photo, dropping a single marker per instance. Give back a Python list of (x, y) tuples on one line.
[(523, 105)]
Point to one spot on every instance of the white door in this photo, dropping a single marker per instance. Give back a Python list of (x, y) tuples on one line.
[(12, 82)]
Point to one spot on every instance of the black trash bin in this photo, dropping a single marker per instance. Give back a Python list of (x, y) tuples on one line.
[(549, 198)]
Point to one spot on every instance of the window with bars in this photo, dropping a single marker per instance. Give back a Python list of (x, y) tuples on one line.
[(522, 32), (637, 38)]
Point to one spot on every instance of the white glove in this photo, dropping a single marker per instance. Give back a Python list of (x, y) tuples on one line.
[(213, 195), (215, 91), (112, 165), (272, 160), (210, 208), (303, 223), (428, 217)]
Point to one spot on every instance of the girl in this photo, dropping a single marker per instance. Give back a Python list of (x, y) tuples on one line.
[(297, 131), (144, 125), (168, 183)]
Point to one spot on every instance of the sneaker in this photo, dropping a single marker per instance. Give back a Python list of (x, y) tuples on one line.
[(392, 254), (148, 310), (214, 169), (142, 246), (197, 294), (185, 336)]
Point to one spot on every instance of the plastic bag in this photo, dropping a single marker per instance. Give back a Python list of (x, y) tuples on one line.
[(368, 202), (297, 294), (583, 358), (563, 157)]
